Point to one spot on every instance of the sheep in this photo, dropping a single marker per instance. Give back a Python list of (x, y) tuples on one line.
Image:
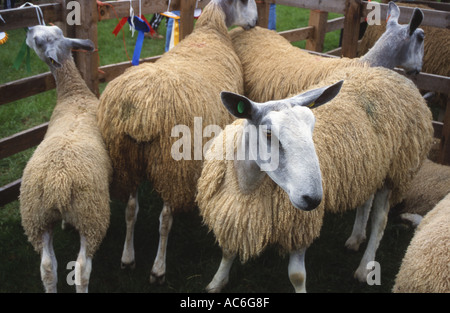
[(436, 58), (370, 140), (425, 266), (249, 201), (292, 70), (258, 45), (69, 173), (139, 110), (430, 185)]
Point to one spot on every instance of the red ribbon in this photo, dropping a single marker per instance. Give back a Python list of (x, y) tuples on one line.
[(120, 25), (124, 20)]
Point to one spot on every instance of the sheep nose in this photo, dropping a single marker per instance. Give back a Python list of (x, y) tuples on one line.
[(311, 202)]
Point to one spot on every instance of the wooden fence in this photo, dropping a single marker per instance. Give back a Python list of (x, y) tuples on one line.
[(92, 12)]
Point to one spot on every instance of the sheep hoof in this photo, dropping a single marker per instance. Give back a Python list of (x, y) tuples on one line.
[(157, 279), (361, 275), (216, 289), (131, 265)]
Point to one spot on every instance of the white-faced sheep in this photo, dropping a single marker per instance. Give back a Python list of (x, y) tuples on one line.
[(425, 266), (292, 69), (370, 139), (139, 109), (430, 185), (436, 58), (69, 173), (261, 178)]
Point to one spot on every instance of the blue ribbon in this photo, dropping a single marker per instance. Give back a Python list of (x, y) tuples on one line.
[(142, 27)]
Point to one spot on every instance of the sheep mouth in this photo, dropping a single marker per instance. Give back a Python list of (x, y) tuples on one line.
[(249, 26), (54, 62), (413, 72)]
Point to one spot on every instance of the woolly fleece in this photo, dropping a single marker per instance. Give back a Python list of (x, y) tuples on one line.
[(69, 173), (429, 186), (426, 265), (364, 137), (247, 223), (274, 68), (139, 109)]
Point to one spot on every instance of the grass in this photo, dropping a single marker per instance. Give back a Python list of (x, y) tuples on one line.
[(193, 256)]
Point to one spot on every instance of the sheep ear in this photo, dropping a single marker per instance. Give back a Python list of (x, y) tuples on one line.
[(84, 44), (237, 105), (316, 97), (416, 20), (393, 14)]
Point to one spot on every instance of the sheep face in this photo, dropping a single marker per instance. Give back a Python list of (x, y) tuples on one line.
[(240, 12), (277, 141), (52, 47), (408, 40)]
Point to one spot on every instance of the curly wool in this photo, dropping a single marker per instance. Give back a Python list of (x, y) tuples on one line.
[(355, 159), (248, 223), (69, 173), (429, 186), (425, 266), (139, 109), (274, 68)]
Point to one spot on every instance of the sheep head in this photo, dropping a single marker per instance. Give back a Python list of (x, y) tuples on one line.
[(278, 141), (407, 40), (239, 12), (52, 47)]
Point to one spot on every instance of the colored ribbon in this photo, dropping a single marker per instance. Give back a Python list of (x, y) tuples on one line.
[(142, 27), (24, 53)]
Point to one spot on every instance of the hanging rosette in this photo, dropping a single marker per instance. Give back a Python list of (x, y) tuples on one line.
[(3, 35), (137, 23), (142, 27)]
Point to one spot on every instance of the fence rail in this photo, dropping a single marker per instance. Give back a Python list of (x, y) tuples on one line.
[(354, 11)]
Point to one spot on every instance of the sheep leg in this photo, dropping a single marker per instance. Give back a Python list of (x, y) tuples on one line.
[(159, 266), (297, 270), (48, 263), (131, 212), (83, 268), (378, 224), (359, 227), (223, 273)]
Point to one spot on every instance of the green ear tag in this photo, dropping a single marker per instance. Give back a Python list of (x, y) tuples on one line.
[(241, 107), (311, 105)]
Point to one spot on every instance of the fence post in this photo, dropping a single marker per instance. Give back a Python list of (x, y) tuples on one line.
[(263, 7), (350, 34), (444, 157), (187, 8), (87, 62), (317, 19)]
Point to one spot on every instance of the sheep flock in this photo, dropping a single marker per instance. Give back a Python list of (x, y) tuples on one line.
[(347, 135)]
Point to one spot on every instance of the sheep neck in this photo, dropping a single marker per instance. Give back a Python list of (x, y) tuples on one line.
[(214, 15), (69, 81), (381, 54)]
